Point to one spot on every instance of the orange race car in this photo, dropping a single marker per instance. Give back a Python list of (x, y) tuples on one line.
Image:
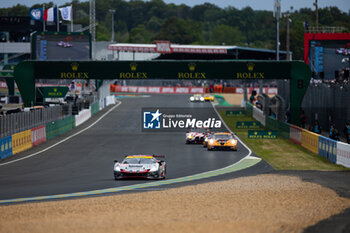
[(224, 141)]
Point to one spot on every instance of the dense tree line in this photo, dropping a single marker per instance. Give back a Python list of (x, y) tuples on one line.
[(137, 21)]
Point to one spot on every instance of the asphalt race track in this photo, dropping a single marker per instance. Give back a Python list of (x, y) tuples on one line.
[(85, 162)]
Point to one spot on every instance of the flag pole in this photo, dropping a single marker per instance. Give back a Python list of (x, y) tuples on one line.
[(43, 17), (58, 19), (71, 22)]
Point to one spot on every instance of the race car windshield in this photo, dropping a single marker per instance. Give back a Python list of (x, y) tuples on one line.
[(138, 161), (222, 137), (198, 130)]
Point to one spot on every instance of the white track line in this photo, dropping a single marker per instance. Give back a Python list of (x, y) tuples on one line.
[(63, 140), (250, 151)]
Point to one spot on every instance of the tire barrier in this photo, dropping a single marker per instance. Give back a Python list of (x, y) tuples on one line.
[(5, 147), (21, 141), (38, 135)]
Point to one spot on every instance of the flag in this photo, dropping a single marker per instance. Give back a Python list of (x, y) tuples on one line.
[(36, 13), (66, 13), (50, 15)]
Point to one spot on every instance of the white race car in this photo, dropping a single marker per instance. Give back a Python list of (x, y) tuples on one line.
[(140, 166), (64, 44), (197, 98)]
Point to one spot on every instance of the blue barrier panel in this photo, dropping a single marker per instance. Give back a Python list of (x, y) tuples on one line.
[(5, 147), (327, 148)]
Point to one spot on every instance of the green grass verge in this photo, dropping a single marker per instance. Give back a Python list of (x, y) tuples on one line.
[(281, 153)]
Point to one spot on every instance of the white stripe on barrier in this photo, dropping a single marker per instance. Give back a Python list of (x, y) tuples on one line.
[(295, 134), (343, 154), (82, 117), (259, 116)]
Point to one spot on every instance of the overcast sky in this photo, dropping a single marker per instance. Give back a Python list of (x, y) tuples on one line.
[(344, 5)]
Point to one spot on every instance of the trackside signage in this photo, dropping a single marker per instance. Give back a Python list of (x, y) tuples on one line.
[(179, 119), (248, 125), (262, 134)]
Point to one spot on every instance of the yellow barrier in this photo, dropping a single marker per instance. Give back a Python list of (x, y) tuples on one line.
[(309, 140), (21, 141)]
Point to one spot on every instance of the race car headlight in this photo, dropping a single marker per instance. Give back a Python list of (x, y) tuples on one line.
[(154, 168), (191, 98), (116, 168), (202, 99), (205, 139), (234, 142), (211, 141)]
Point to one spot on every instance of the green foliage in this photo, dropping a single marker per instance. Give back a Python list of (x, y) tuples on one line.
[(140, 21)]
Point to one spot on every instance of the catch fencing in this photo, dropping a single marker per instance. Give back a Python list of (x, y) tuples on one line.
[(21, 121)]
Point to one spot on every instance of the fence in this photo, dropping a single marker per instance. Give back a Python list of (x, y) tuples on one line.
[(327, 103), (17, 122), (335, 151)]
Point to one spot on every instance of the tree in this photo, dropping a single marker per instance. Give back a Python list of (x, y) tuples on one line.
[(181, 31), (224, 34)]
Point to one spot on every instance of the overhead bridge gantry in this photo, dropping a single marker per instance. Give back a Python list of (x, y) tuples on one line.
[(298, 72)]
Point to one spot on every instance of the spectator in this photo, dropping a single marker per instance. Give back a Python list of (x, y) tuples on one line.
[(252, 98), (316, 128), (347, 132), (334, 134), (302, 119), (258, 103), (331, 130)]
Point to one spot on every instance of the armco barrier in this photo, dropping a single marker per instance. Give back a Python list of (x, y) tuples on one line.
[(249, 109), (283, 128), (21, 141), (343, 154), (259, 116), (82, 117), (38, 135), (309, 141), (327, 148), (94, 108), (295, 134), (59, 127), (110, 100), (6, 147)]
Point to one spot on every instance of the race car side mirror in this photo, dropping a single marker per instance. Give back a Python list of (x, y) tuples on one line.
[(161, 161), (116, 161)]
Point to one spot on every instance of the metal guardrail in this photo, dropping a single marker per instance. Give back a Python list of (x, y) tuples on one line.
[(17, 122)]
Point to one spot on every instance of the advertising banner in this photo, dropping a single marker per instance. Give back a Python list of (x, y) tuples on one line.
[(160, 90), (5, 147), (327, 148), (248, 125), (21, 141), (262, 134), (309, 141), (236, 113), (343, 154), (295, 134), (38, 135)]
